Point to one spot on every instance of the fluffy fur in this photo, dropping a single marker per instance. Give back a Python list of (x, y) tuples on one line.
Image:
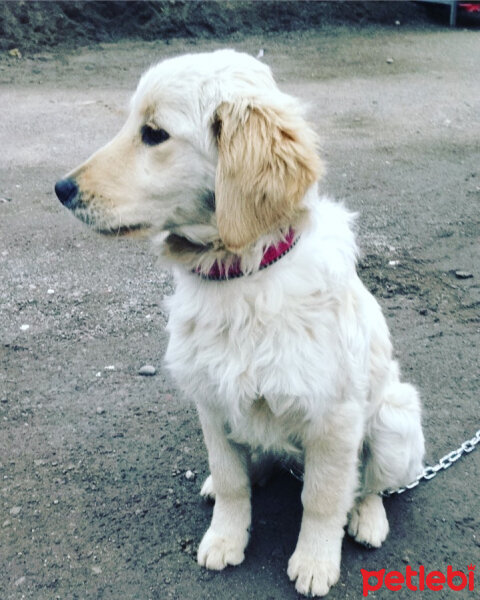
[(293, 361)]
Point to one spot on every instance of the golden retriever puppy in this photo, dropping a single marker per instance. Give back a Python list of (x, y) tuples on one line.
[(272, 334)]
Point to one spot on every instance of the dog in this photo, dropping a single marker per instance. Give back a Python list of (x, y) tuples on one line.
[(272, 334)]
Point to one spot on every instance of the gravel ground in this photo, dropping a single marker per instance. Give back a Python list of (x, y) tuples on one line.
[(101, 466)]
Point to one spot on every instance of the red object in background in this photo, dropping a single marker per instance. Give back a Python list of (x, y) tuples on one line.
[(470, 7)]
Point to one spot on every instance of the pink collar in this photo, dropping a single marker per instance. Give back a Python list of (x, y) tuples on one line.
[(219, 272)]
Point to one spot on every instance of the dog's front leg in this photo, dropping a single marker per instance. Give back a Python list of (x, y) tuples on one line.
[(225, 540), (327, 496)]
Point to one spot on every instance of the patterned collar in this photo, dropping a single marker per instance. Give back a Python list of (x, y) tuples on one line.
[(220, 272)]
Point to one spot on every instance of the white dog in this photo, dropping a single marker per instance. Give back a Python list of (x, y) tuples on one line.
[(272, 334)]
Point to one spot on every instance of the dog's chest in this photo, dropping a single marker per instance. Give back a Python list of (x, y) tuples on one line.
[(265, 360)]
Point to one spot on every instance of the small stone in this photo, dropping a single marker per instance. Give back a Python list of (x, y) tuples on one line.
[(190, 475), (50, 291), (96, 570), (15, 511), (147, 370), (389, 61), (15, 53), (100, 410), (24, 327), (109, 368), (6, 523), (463, 275), (20, 581), (393, 263), (39, 462)]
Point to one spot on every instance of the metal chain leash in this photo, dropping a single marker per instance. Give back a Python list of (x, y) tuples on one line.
[(428, 472), (444, 463)]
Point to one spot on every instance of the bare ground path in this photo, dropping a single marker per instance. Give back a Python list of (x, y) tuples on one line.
[(94, 502)]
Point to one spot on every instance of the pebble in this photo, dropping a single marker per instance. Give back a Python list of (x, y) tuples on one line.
[(147, 370), (96, 570), (463, 275), (20, 581), (190, 475), (50, 291), (109, 368), (6, 523), (15, 511), (24, 327), (389, 61), (100, 410)]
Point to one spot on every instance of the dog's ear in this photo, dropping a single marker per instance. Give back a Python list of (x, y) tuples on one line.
[(266, 161)]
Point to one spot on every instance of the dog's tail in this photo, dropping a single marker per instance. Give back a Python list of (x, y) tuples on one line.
[(394, 443)]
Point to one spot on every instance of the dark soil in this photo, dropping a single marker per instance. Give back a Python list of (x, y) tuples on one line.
[(34, 25)]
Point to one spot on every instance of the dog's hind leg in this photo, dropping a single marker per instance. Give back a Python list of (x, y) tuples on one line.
[(367, 522), (262, 467), (392, 456)]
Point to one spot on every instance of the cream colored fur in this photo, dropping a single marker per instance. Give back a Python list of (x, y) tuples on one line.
[(293, 361)]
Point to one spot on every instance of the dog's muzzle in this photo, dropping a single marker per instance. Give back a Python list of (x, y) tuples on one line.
[(67, 193)]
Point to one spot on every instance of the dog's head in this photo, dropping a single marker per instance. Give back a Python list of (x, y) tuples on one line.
[(212, 151)]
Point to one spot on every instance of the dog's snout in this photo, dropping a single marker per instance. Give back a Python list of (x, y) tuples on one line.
[(67, 192)]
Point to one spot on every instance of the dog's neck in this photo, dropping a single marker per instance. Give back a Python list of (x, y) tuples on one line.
[(212, 261), (221, 271), (191, 240)]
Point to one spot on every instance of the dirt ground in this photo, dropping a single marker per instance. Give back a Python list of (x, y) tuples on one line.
[(94, 502), (29, 25)]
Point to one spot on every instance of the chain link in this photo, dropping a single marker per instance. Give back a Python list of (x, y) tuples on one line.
[(444, 463), (428, 472)]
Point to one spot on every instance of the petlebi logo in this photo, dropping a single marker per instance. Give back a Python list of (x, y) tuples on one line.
[(418, 580)]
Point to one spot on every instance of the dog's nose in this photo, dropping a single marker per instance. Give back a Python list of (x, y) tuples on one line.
[(67, 192)]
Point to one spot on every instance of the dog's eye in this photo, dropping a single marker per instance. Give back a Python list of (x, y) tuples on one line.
[(153, 137)]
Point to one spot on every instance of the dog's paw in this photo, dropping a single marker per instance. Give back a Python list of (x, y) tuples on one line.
[(313, 576), (207, 489), (216, 552), (368, 522)]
